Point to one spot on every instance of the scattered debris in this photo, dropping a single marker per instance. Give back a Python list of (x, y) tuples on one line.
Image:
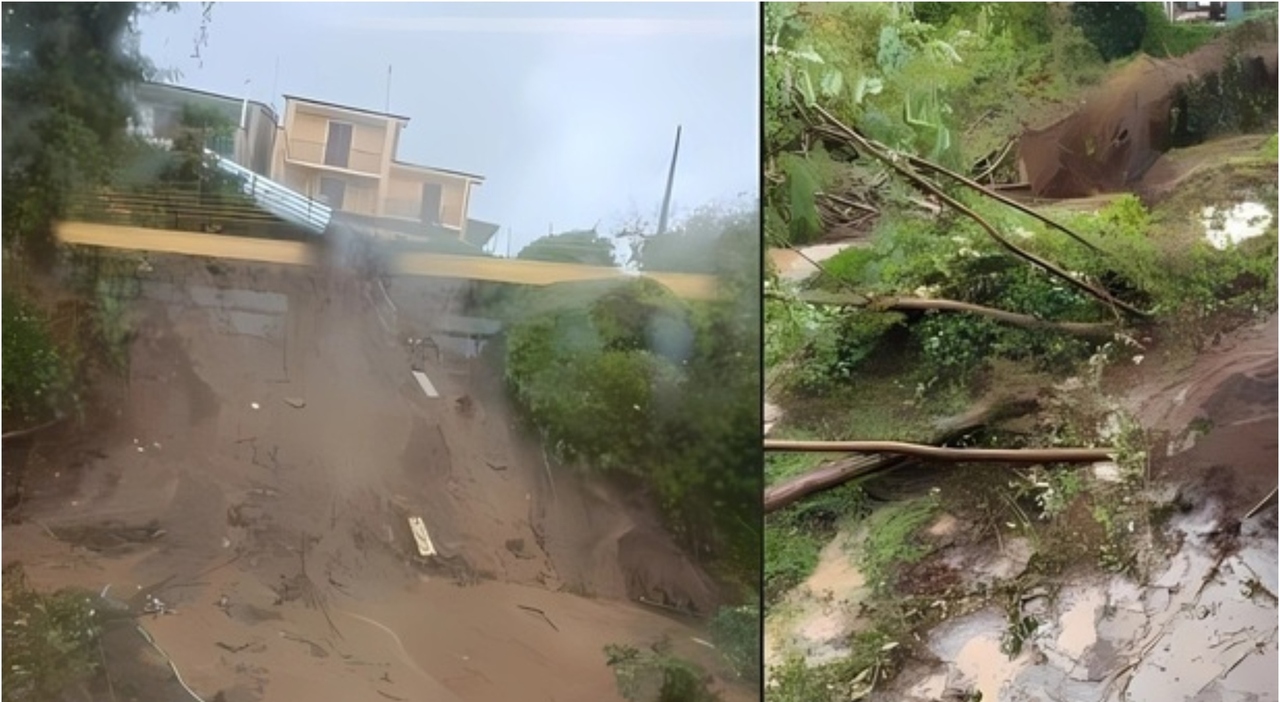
[(253, 405), (495, 466), (540, 613), (295, 402), (425, 384), (234, 649), (154, 605), (425, 547)]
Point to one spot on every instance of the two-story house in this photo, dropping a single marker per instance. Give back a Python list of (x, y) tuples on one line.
[(340, 155), (346, 157)]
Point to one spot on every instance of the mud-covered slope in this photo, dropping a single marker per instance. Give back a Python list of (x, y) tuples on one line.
[(273, 442)]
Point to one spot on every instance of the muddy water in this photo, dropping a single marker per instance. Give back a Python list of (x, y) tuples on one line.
[(795, 266), (814, 620), (1204, 629)]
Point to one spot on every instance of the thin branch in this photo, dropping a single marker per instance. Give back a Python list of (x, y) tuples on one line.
[(939, 453), (1091, 330), (924, 184), (19, 433), (835, 474), (1008, 202), (850, 203)]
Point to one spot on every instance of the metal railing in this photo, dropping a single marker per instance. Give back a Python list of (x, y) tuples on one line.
[(287, 204)]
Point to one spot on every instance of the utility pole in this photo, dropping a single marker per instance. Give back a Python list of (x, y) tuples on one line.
[(671, 176)]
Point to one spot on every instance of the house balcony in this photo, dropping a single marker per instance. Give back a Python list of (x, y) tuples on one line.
[(305, 152)]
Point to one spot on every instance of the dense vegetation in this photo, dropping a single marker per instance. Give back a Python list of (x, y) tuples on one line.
[(863, 103), (912, 87), (625, 379)]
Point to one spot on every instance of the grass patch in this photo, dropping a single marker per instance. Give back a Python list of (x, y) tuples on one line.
[(794, 536), (781, 466), (891, 541), (874, 657)]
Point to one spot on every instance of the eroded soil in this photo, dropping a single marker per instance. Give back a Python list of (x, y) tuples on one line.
[(255, 475)]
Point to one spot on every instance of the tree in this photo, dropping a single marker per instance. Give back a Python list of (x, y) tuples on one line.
[(66, 70), (1115, 29), (625, 379), (582, 246), (712, 240)]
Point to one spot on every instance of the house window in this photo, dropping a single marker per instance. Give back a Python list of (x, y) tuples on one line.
[(432, 194), (332, 191), (337, 147), (222, 144)]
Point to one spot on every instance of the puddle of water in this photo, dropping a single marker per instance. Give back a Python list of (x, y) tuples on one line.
[(1202, 650), (836, 575), (798, 266), (1226, 228), (971, 646), (816, 619), (1079, 622)]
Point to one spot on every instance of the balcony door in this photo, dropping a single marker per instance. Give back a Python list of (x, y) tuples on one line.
[(337, 146), (432, 194), (332, 191)]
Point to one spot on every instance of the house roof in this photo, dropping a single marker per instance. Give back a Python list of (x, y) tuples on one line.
[(349, 108), (434, 169), (479, 232), (145, 85)]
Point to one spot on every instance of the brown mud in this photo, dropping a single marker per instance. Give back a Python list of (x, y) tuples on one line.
[(255, 474)]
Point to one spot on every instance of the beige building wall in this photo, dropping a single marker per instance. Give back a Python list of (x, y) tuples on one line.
[(404, 195), (394, 190), (309, 134)]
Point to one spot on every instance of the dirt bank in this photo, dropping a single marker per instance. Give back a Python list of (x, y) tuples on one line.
[(1212, 417), (257, 477)]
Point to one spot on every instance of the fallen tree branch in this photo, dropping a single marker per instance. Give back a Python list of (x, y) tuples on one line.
[(19, 433), (827, 477), (1271, 497), (1092, 330), (896, 163), (943, 453), (1006, 201), (835, 474)]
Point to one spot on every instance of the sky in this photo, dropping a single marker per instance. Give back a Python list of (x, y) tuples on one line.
[(568, 110)]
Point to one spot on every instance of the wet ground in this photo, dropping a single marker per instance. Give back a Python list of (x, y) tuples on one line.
[(1201, 625), (256, 473)]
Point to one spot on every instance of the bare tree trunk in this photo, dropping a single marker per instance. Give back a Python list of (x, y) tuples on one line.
[(878, 456), (1089, 330)]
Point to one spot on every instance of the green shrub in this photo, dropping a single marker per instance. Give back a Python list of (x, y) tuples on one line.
[(38, 380), (736, 632), (1164, 38), (657, 676), (49, 640)]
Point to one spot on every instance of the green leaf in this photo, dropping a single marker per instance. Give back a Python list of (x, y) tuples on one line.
[(832, 82), (867, 86)]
